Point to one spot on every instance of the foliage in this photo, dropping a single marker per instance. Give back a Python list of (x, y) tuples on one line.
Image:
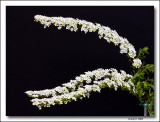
[(144, 82)]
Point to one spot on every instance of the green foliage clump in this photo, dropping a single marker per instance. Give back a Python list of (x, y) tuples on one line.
[(144, 82)]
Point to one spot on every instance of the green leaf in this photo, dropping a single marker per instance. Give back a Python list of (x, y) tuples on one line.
[(149, 67), (151, 113), (145, 84), (142, 52)]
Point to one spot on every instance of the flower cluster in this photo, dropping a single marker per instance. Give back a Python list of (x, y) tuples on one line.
[(137, 63), (81, 87), (91, 81), (103, 31)]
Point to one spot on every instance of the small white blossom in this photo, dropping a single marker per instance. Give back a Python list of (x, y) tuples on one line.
[(137, 63)]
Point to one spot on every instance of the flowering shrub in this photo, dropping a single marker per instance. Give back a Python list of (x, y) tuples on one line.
[(82, 86), (94, 81)]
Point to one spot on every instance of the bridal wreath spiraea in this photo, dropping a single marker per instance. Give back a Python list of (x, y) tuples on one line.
[(81, 87), (86, 83)]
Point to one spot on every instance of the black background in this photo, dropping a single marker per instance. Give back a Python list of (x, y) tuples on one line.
[(38, 58)]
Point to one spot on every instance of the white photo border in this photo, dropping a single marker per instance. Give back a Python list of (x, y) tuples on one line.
[(75, 3)]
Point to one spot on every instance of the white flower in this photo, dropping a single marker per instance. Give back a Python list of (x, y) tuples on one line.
[(88, 88), (137, 63), (132, 52), (96, 88)]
